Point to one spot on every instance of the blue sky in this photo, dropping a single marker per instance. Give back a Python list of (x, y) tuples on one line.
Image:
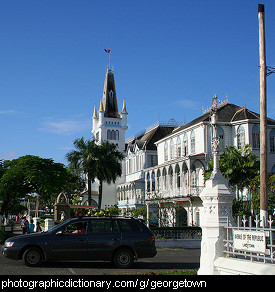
[(170, 58)]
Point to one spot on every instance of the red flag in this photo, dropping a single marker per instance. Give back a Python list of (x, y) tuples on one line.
[(107, 51)]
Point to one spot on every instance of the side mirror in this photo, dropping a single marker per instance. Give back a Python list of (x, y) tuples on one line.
[(59, 232)]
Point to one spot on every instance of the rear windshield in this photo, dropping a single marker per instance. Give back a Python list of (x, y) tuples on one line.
[(128, 226)]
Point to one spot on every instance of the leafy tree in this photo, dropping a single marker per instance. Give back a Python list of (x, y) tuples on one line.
[(32, 174), (108, 166), (84, 160), (102, 162), (238, 166), (254, 189)]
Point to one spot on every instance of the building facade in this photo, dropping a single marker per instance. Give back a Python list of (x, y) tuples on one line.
[(141, 153), (177, 181)]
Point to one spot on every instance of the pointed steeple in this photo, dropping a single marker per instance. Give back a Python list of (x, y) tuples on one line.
[(109, 98), (95, 114), (124, 111), (101, 109)]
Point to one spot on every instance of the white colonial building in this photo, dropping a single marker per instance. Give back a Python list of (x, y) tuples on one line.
[(141, 153), (176, 182)]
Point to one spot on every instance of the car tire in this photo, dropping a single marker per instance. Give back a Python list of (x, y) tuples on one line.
[(32, 257), (123, 258)]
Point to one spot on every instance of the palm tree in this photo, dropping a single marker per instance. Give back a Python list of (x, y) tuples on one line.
[(84, 160), (96, 161), (108, 167)]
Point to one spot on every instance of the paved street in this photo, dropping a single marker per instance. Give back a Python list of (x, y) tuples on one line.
[(164, 260)]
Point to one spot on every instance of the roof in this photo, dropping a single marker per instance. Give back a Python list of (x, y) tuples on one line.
[(147, 139), (227, 113)]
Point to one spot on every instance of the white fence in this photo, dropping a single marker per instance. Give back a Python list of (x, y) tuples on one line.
[(250, 241)]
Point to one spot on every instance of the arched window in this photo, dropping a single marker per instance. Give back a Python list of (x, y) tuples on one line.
[(172, 149), (153, 182), (193, 142), (164, 179), (166, 151), (177, 174), (272, 140), (178, 147), (240, 137), (256, 137), (185, 181), (148, 182), (170, 177), (158, 180), (185, 145)]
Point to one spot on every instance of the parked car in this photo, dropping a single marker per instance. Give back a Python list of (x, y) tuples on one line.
[(116, 239)]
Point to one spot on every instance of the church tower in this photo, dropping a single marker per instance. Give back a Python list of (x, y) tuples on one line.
[(109, 124)]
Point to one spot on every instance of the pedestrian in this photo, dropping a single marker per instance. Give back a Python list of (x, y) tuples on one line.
[(31, 227), (25, 225), (38, 227)]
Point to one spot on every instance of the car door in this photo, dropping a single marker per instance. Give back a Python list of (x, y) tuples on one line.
[(68, 243), (103, 239)]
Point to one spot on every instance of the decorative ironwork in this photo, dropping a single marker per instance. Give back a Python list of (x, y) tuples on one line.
[(252, 226)]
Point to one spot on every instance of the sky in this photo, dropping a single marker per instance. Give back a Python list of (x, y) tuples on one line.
[(169, 58)]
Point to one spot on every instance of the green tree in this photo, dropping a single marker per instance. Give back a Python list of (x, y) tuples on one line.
[(238, 166), (108, 166), (84, 160), (31, 174), (102, 162)]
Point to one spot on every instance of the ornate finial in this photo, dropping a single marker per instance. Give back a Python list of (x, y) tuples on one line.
[(101, 109), (214, 103), (95, 114), (124, 111)]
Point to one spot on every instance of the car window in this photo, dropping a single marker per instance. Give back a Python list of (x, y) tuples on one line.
[(128, 226), (101, 226), (75, 228)]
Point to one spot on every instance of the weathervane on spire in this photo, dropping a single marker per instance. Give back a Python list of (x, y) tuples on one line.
[(109, 52)]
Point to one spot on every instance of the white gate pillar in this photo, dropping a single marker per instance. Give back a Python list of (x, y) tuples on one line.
[(217, 207)]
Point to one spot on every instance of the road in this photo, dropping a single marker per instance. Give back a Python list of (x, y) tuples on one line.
[(174, 259)]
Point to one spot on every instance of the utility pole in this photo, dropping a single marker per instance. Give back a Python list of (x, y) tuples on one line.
[(263, 136)]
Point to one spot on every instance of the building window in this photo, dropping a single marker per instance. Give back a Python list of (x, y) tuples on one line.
[(178, 147), (193, 142), (172, 150), (166, 151), (240, 137), (273, 169), (256, 137), (272, 140), (185, 145), (221, 136), (177, 173)]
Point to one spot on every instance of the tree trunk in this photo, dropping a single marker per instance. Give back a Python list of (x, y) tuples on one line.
[(100, 194), (89, 190)]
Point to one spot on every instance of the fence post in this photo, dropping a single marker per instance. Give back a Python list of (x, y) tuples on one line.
[(216, 214)]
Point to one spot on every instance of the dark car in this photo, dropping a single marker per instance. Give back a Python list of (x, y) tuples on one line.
[(115, 239)]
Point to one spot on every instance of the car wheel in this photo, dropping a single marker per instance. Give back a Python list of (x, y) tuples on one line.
[(123, 258), (32, 257)]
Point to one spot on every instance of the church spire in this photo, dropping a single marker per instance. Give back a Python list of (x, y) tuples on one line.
[(109, 98)]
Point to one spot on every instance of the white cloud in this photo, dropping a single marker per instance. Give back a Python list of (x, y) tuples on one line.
[(65, 127), (7, 112), (187, 103)]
